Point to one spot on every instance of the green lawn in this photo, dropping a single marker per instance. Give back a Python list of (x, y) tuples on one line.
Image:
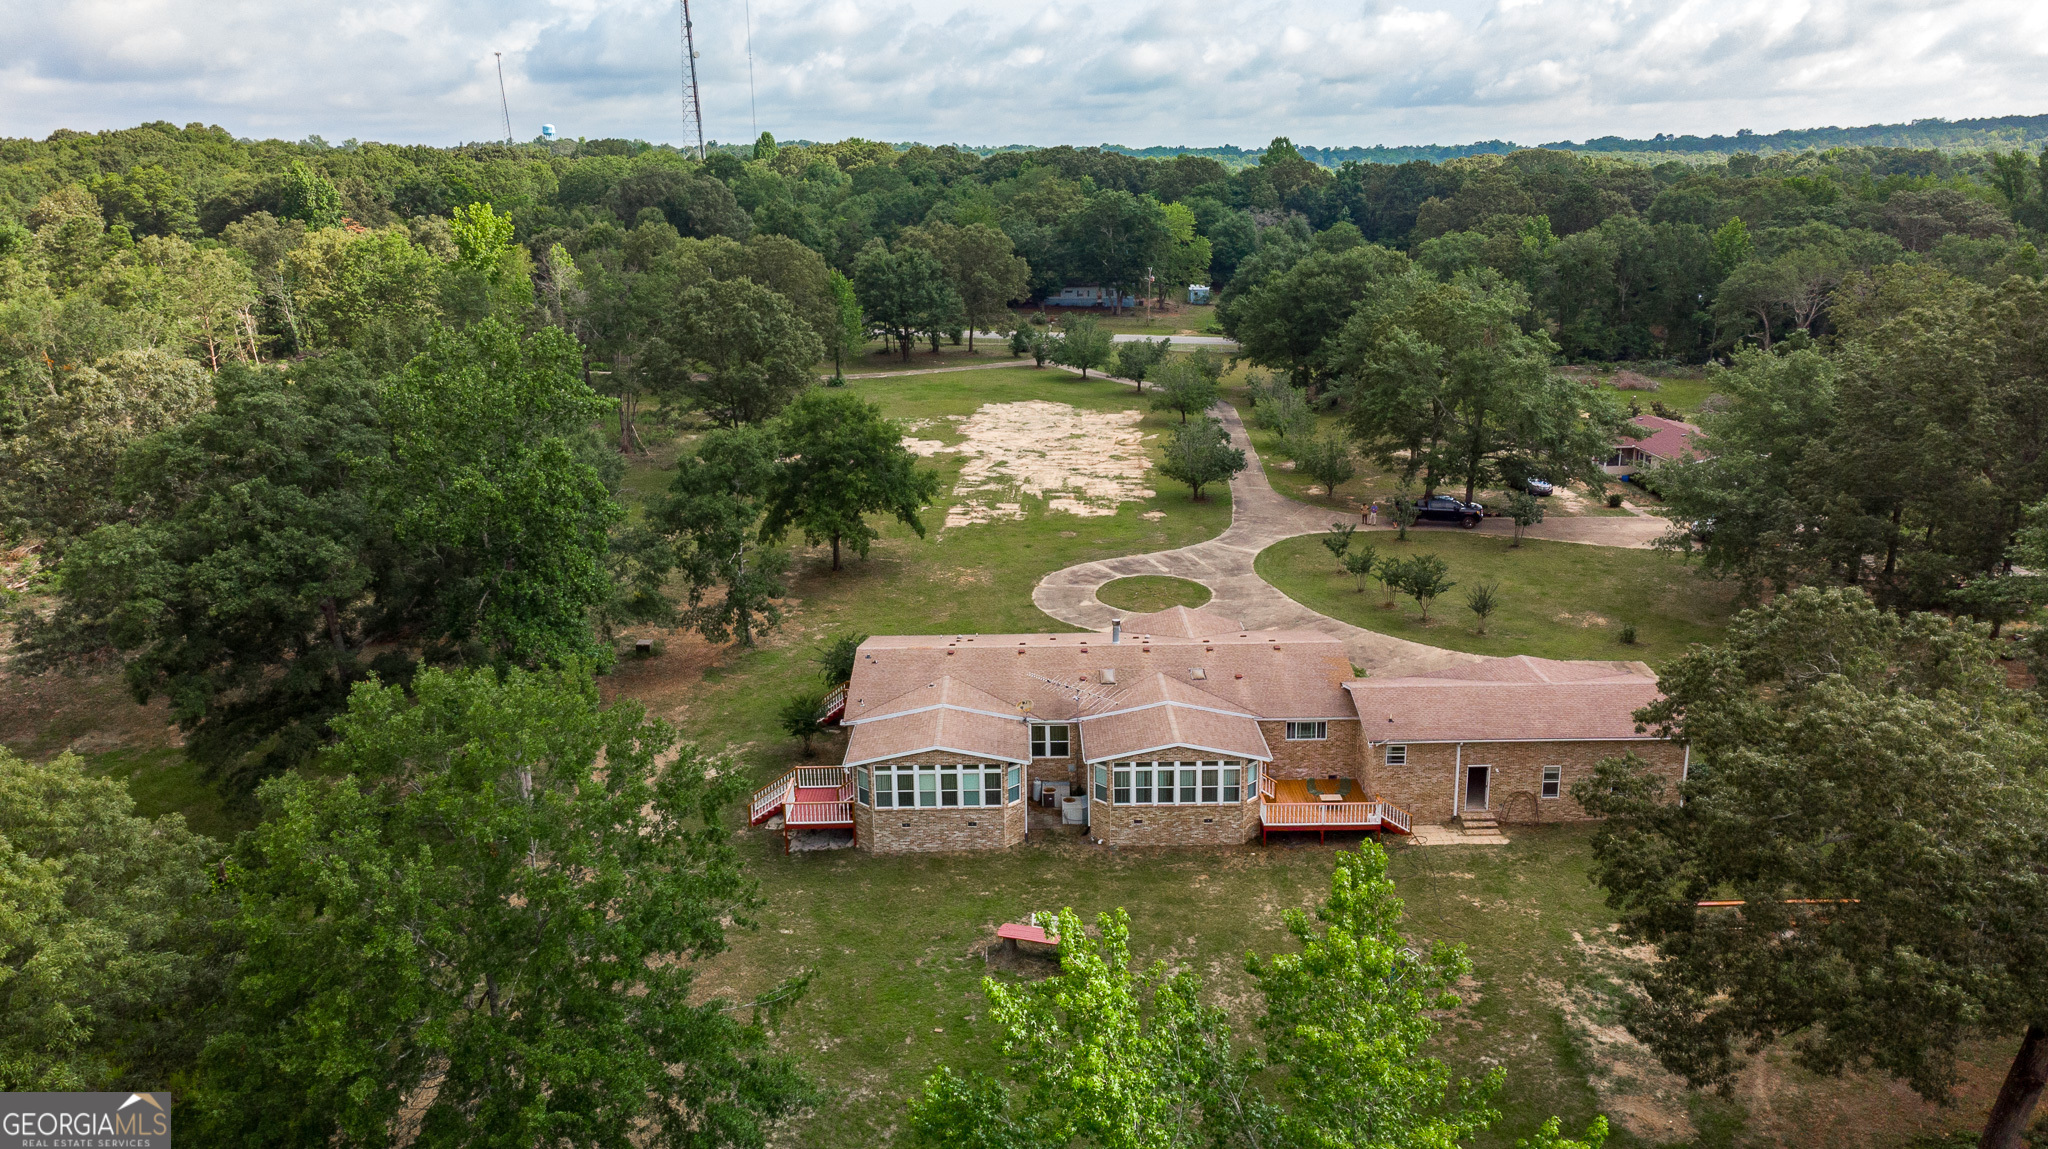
[(970, 578), (894, 945), (1147, 593), (1558, 600), (1681, 395)]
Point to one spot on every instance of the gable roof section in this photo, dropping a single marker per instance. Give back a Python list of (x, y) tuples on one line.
[(1268, 674), (1666, 439), (943, 715), (1519, 699), (1180, 622), (1159, 713)]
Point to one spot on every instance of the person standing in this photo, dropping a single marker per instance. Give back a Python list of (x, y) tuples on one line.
[(1372, 514)]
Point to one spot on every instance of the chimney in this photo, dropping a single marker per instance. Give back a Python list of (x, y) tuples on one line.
[(1116, 630)]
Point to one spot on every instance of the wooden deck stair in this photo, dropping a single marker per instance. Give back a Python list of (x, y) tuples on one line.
[(807, 798)]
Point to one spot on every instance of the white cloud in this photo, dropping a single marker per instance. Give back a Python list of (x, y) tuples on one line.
[(1152, 71)]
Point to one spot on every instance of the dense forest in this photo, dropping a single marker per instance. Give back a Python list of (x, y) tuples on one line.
[(323, 445)]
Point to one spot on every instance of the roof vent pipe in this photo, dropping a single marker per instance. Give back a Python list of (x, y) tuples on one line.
[(1116, 630)]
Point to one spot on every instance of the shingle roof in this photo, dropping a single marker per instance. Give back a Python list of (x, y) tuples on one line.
[(944, 714), (1667, 438), (1271, 674), (1180, 622), (1507, 700), (1159, 712)]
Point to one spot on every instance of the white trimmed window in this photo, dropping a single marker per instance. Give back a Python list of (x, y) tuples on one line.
[(1307, 731), (1049, 740), (1553, 781), (938, 786), (1397, 754), (1016, 782), (1209, 783)]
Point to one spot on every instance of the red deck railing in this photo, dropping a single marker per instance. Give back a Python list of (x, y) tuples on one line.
[(770, 799), (818, 814)]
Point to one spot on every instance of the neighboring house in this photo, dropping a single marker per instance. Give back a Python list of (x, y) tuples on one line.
[(1179, 728), (1088, 296), (1664, 441)]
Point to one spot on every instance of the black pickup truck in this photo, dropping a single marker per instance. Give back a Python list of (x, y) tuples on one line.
[(1446, 509)]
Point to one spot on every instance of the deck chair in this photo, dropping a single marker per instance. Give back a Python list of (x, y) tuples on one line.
[(1344, 789), (1312, 791)]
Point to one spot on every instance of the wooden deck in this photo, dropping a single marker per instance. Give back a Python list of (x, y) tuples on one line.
[(1286, 804), (807, 798)]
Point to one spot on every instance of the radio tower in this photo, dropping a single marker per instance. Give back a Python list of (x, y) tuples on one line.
[(693, 112)]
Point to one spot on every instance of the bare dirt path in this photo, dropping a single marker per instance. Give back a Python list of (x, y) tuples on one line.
[(1260, 517)]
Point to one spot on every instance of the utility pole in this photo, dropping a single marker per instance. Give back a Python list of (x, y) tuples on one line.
[(693, 111), (502, 104)]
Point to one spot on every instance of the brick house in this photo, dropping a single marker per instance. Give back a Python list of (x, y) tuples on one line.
[(1179, 728)]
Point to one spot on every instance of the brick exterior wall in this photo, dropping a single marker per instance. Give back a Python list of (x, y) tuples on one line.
[(1174, 825), (1341, 755), (1193, 825), (1424, 787), (935, 829)]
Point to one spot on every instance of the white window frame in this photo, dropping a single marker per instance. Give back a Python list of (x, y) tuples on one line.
[(905, 786), (1553, 782), (1204, 782), (1043, 740), (1397, 754), (1307, 731)]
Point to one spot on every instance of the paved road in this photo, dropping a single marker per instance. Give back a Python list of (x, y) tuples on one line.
[(1260, 517)]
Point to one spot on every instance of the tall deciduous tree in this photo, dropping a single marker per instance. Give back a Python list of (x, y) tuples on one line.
[(1445, 384), (1289, 322), (848, 332), (257, 569), (714, 513), (1117, 239), (905, 293), (843, 461), (112, 943), (1885, 788), (489, 489), (481, 926), (735, 350), (57, 471), (983, 267)]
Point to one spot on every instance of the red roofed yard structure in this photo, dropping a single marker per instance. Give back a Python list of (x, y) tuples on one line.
[(1179, 728)]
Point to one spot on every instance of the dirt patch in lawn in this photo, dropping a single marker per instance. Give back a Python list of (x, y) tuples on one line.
[(1082, 462)]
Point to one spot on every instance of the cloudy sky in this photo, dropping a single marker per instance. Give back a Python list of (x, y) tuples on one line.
[(1136, 72)]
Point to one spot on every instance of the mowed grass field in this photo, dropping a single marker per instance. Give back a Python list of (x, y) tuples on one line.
[(1557, 600), (895, 947)]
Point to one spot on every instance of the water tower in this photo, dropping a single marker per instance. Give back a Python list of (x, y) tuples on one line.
[(547, 132)]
